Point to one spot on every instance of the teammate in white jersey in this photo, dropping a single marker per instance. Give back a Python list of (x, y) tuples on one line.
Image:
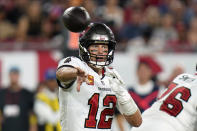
[(90, 90), (176, 109)]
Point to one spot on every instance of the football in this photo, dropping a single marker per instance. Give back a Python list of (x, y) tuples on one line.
[(76, 19)]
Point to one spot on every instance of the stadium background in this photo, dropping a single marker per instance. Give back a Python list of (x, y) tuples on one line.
[(131, 20), (33, 38)]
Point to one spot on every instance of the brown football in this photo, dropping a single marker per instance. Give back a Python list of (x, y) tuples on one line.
[(76, 19)]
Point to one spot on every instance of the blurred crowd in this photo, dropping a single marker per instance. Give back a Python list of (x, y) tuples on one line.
[(24, 110), (145, 25)]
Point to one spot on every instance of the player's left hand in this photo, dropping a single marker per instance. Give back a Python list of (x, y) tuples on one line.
[(115, 80)]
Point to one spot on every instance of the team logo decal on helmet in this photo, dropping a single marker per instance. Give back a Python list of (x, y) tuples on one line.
[(97, 33)]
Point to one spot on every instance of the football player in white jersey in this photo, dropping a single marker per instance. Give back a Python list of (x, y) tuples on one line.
[(90, 90), (176, 109)]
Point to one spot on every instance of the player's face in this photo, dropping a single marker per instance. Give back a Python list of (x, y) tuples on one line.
[(14, 78), (98, 52), (52, 84), (144, 72)]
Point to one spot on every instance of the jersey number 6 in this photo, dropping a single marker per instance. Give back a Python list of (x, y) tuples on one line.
[(173, 104), (91, 121)]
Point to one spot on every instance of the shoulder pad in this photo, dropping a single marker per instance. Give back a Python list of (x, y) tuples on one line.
[(73, 61), (184, 78)]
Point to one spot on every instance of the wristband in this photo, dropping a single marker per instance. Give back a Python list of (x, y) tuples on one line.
[(126, 104)]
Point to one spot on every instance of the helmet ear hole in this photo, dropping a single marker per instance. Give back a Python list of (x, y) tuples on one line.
[(97, 33)]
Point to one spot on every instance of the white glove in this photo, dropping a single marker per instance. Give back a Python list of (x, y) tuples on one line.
[(126, 104), (115, 80)]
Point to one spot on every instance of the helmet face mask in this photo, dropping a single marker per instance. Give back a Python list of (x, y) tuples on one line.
[(100, 34)]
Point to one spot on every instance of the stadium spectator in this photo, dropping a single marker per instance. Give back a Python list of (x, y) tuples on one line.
[(166, 32), (152, 17), (29, 25), (146, 90), (16, 105), (181, 44), (91, 7), (133, 28), (177, 8), (112, 13), (50, 37), (145, 43), (192, 33), (46, 104), (131, 7), (15, 9), (7, 30), (47, 30)]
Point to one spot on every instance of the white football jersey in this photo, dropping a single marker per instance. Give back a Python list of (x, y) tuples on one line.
[(176, 109), (90, 109)]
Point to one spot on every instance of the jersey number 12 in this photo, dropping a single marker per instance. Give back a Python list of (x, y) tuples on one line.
[(91, 121)]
